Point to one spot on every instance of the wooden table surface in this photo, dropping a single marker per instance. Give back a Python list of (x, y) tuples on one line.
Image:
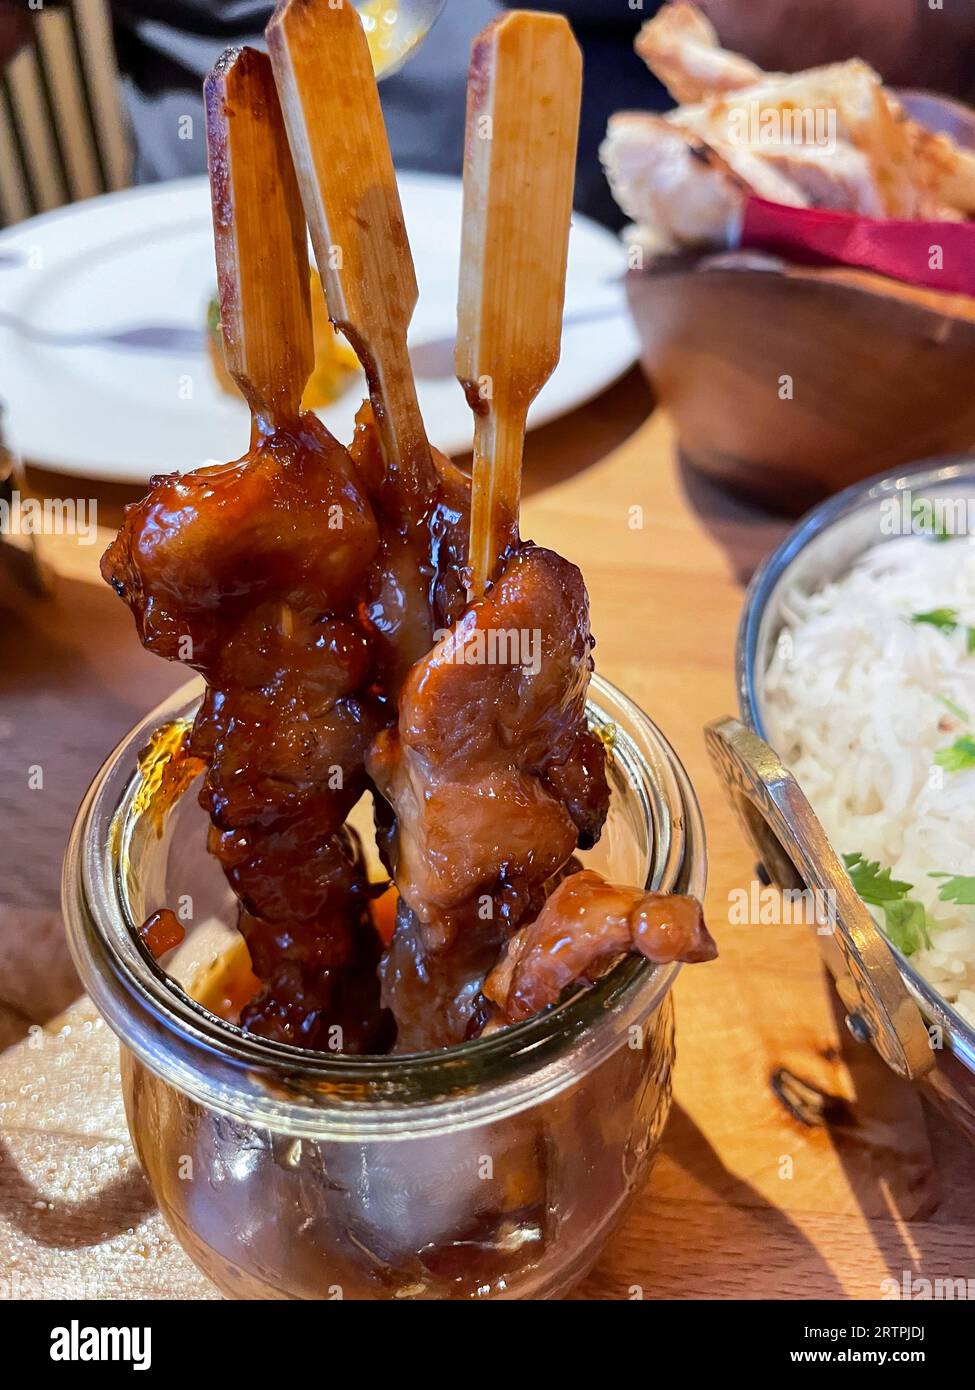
[(746, 1200)]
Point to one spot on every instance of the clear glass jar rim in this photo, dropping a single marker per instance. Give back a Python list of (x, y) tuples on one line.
[(293, 1090)]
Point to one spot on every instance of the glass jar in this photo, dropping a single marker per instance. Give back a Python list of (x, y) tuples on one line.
[(497, 1168)]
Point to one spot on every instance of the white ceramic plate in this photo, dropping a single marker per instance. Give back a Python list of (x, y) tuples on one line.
[(103, 366)]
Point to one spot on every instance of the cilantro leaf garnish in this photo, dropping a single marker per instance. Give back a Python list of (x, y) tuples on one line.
[(874, 884), (905, 920), (946, 619), (907, 925), (958, 755), (957, 888)]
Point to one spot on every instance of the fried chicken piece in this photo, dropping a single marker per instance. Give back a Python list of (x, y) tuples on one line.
[(493, 779), (678, 190), (828, 115), (585, 925), (680, 47), (945, 171), (844, 142)]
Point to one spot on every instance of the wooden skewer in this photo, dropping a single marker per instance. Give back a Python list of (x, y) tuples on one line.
[(260, 237), (523, 100), (331, 108)]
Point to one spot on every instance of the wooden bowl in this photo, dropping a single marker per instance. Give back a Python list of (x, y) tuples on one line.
[(881, 373)]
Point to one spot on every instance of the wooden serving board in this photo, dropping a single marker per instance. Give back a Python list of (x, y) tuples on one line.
[(746, 1199)]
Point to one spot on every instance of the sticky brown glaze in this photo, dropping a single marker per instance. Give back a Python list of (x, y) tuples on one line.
[(476, 772), (586, 924), (162, 932), (433, 994), (251, 573), (415, 583), (319, 986), (288, 522)]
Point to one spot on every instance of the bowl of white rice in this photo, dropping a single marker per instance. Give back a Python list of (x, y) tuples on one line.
[(856, 663)]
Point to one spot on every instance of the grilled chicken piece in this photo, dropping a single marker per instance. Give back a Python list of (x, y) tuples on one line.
[(288, 522), (318, 969), (493, 779), (432, 993), (496, 706), (415, 583), (585, 925)]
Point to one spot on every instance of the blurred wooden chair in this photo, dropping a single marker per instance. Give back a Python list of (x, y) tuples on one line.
[(63, 131)]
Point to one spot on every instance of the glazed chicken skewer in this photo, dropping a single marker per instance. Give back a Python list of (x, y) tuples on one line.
[(518, 203), (493, 774), (250, 572)]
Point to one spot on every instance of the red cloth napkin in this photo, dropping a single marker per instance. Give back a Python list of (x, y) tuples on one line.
[(938, 255)]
